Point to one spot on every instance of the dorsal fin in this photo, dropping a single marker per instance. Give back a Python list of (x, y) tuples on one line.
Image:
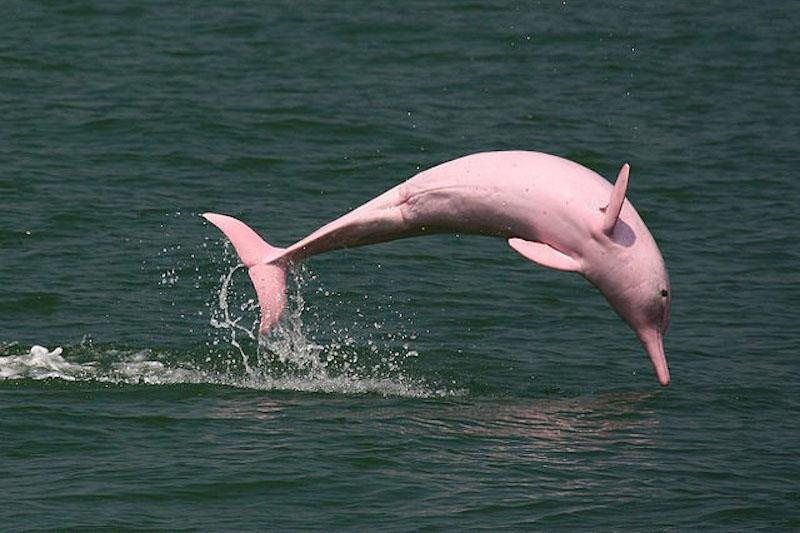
[(617, 199)]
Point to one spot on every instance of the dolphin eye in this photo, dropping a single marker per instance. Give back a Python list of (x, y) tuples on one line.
[(664, 293)]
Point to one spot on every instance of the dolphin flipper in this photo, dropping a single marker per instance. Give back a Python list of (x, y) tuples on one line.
[(544, 254), (264, 264)]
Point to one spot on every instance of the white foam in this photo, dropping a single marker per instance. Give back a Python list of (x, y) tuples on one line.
[(40, 363)]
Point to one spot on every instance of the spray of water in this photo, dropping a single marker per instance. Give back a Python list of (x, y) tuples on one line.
[(223, 320), (319, 346), (348, 357)]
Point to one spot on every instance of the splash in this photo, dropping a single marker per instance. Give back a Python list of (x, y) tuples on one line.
[(324, 343), (222, 319), (313, 349), (322, 355)]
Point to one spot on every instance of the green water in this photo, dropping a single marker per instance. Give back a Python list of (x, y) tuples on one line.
[(440, 383)]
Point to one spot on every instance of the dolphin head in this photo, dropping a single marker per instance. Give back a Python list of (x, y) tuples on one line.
[(636, 284), (640, 294), (631, 274), (650, 321)]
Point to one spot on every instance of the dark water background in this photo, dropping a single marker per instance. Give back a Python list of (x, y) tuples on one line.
[(437, 383)]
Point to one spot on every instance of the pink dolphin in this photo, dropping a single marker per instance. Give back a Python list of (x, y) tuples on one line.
[(551, 210)]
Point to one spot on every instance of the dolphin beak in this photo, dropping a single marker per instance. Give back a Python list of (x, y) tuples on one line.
[(653, 342)]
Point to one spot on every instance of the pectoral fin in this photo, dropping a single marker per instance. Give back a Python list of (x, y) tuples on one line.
[(544, 254)]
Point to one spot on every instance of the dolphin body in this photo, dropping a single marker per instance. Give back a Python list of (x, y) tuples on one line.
[(550, 210)]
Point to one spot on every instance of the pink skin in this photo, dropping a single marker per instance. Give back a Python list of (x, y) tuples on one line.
[(552, 211)]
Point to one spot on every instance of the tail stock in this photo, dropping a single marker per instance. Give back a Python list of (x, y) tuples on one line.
[(264, 264)]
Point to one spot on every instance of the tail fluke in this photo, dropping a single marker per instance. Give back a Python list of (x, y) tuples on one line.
[(263, 263)]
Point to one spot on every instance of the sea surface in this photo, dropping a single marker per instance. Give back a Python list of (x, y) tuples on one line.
[(441, 383)]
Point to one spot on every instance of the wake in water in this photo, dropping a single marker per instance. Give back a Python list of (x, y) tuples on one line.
[(322, 357), (146, 367)]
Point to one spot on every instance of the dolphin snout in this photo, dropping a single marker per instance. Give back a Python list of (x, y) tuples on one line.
[(653, 342)]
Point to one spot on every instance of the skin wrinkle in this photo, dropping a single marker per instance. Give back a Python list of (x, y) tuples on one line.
[(415, 194), (402, 205)]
